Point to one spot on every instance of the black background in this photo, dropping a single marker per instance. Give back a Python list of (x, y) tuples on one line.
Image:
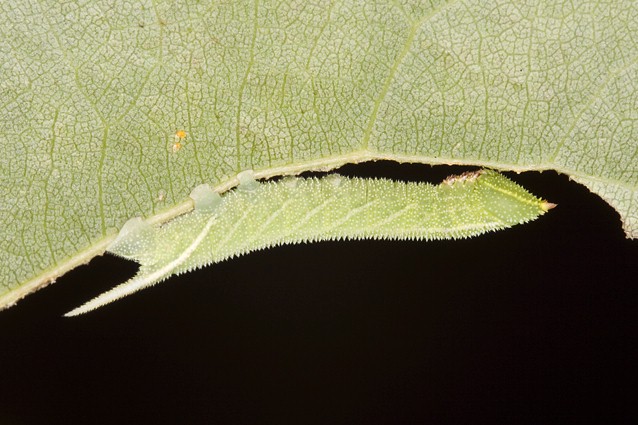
[(534, 324)]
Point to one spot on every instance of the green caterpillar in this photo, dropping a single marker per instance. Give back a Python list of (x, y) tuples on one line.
[(293, 210)]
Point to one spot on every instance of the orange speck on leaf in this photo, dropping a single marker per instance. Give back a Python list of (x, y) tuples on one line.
[(180, 135)]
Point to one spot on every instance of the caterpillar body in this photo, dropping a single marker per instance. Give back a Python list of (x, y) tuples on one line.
[(294, 210)]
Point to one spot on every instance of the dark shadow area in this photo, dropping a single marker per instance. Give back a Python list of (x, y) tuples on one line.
[(532, 325)]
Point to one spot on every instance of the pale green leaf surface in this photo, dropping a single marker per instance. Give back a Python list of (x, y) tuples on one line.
[(92, 93)]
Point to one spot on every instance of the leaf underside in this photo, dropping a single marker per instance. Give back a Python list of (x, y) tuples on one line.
[(92, 96)]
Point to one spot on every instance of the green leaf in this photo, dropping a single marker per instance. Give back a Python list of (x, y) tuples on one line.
[(93, 93)]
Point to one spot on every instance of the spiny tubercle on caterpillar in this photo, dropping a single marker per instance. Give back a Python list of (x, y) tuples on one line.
[(293, 210)]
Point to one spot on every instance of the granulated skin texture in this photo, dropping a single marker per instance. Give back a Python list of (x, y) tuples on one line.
[(260, 215)]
